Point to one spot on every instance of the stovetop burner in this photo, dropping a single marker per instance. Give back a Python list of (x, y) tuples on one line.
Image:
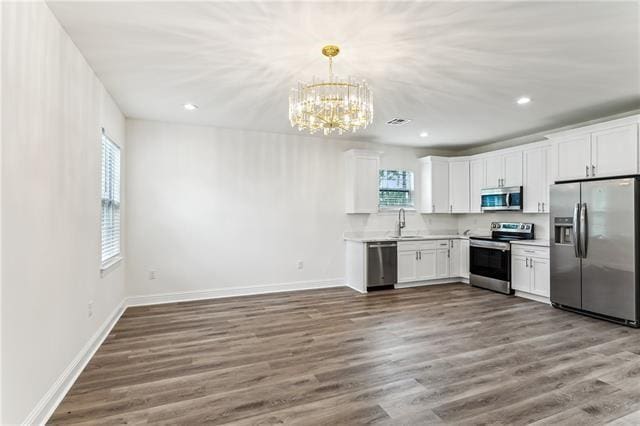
[(508, 231)]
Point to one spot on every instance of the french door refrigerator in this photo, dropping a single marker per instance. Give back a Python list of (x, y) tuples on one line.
[(594, 248)]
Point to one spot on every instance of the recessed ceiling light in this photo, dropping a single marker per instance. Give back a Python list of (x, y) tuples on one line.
[(523, 100), (190, 107), (424, 134)]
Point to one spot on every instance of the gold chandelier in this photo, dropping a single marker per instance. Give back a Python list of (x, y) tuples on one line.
[(333, 105)]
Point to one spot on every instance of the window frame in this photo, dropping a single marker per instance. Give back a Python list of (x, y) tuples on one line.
[(116, 188), (412, 192)]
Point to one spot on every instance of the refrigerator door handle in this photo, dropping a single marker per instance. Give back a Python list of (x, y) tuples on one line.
[(584, 233), (575, 230)]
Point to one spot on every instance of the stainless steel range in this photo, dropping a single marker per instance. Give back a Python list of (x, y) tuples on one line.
[(490, 256)]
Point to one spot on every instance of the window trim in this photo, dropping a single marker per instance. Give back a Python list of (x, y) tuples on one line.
[(111, 262)]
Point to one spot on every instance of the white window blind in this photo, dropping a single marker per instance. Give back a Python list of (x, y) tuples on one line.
[(110, 224)]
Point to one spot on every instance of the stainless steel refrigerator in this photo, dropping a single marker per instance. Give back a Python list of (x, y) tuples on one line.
[(594, 248)]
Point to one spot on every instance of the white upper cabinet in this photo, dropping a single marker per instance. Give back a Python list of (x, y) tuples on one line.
[(600, 150), (493, 169), (476, 183), (536, 179), (361, 175), (459, 186), (574, 157), (503, 169), (512, 169), (435, 185), (614, 151)]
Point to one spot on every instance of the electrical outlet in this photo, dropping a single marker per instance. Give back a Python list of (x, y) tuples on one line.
[(152, 274), (90, 308), (300, 264)]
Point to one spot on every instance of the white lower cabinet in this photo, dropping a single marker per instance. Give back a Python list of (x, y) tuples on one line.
[(454, 258), (464, 258), (530, 271), (541, 279), (426, 268), (430, 260), (442, 263), (520, 273), (407, 265)]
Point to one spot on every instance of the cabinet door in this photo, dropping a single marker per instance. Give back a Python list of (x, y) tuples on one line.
[(614, 152), (493, 171), (547, 153), (520, 274), (464, 258), (426, 268), (459, 186), (442, 263), (454, 258), (476, 183), (512, 174), (573, 157), (440, 186), (407, 263), (540, 276), (362, 183), (534, 180)]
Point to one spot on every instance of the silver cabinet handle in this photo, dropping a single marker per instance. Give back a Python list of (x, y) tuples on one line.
[(530, 263), (420, 255), (593, 170), (538, 206), (586, 173), (433, 208), (526, 262), (543, 206), (416, 255), (448, 252)]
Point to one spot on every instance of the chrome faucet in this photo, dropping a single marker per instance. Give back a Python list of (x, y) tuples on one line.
[(401, 222)]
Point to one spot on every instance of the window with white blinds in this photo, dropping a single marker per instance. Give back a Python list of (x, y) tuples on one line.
[(110, 223)]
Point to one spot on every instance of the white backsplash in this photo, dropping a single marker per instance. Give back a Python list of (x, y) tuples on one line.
[(481, 223), (362, 225)]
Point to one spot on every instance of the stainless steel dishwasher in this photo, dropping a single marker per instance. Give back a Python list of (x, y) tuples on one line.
[(382, 264)]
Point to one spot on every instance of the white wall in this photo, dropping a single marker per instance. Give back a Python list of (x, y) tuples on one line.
[(53, 107), (213, 209)]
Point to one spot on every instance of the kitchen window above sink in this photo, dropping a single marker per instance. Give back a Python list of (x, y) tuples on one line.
[(396, 189)]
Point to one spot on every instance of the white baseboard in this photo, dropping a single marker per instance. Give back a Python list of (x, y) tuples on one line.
[(359, 290), (50, 401), (535, 297), (432, 282), (155, 299)]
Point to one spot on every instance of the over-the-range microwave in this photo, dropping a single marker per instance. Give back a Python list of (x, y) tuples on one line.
[(503, 198)]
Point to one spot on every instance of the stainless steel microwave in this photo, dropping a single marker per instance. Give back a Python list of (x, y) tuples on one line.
[(503, 198)]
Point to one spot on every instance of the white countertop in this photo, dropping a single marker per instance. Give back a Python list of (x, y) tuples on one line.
[(539, 243), (370, 239)]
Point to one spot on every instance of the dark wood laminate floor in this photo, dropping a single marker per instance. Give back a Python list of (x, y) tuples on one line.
[(429, 355)]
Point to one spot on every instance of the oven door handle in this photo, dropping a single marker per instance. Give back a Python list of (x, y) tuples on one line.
[(490, 245), (508, 197)]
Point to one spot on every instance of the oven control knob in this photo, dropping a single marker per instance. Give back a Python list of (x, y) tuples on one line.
[(521, 226)]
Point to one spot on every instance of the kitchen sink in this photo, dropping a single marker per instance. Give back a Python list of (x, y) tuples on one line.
[(410, 237)]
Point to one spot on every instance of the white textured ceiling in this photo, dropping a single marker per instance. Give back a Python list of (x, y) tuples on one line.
[(454, 68)]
